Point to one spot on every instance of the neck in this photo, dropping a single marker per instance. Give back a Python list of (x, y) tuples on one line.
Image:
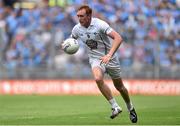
[(87, 26)]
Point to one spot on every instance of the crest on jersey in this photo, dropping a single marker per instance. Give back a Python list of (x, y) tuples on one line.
[(92, 44)]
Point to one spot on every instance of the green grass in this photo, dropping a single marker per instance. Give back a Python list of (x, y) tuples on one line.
[(85, 110)]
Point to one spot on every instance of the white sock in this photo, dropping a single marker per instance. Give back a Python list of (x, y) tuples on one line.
[(129, 106), (113, 103)]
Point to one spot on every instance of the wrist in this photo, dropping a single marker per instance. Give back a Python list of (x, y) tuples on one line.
[(109, 55)]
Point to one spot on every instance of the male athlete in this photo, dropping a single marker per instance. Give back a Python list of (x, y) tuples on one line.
[(94, 33)]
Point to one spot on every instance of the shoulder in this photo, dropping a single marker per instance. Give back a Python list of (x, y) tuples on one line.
[(99, 22), (102, 25), (77, 26)]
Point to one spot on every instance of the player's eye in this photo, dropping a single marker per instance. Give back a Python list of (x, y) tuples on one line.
[(81, 15)]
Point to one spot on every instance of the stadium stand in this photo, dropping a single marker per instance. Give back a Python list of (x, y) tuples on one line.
[(30, 38)]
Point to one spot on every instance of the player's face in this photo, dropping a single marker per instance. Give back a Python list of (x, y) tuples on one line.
[(84, 19)]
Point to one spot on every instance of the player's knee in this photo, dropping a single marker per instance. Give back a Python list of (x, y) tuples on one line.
[(98, 80)]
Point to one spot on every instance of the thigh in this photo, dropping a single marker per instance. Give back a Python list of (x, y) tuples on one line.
[(114, 73), (98, 69), (114, 69), (97, 73)]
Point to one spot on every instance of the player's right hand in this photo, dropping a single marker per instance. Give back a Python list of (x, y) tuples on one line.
[(105, 59)]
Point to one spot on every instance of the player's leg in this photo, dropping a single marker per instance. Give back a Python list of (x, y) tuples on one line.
[(105, 90), (98, 77), (114, 70), (123, 91), (118, 83), (98, 71)]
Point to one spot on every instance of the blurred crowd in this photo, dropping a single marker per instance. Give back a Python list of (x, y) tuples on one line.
[(32, 37)]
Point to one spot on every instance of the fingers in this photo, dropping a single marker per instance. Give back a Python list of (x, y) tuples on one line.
[(105, 59), (101, 62), (62, 45)]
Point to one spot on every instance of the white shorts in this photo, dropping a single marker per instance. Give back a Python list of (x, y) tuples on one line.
[(112, 68)]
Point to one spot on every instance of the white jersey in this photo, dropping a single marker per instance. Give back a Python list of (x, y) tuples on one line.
[(98, 44), (94, 37)]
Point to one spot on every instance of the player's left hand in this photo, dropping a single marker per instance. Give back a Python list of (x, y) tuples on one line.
[(62, 46), (105, 59)]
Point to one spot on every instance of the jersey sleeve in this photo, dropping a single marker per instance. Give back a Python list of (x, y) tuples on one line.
[(74, 33), (105, 28)]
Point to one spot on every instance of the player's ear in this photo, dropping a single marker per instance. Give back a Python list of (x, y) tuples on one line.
[(89, 15)]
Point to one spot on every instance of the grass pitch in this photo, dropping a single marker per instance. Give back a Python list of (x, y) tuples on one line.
[(85, 110)]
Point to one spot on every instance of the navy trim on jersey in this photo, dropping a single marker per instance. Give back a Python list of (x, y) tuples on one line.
[(106, 29), (73, 36)]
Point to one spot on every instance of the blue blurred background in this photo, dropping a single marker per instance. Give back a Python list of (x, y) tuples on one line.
[(31, 32)]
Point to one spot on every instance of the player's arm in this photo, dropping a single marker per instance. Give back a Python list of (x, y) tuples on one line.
[(117, 40), (73, 35)]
